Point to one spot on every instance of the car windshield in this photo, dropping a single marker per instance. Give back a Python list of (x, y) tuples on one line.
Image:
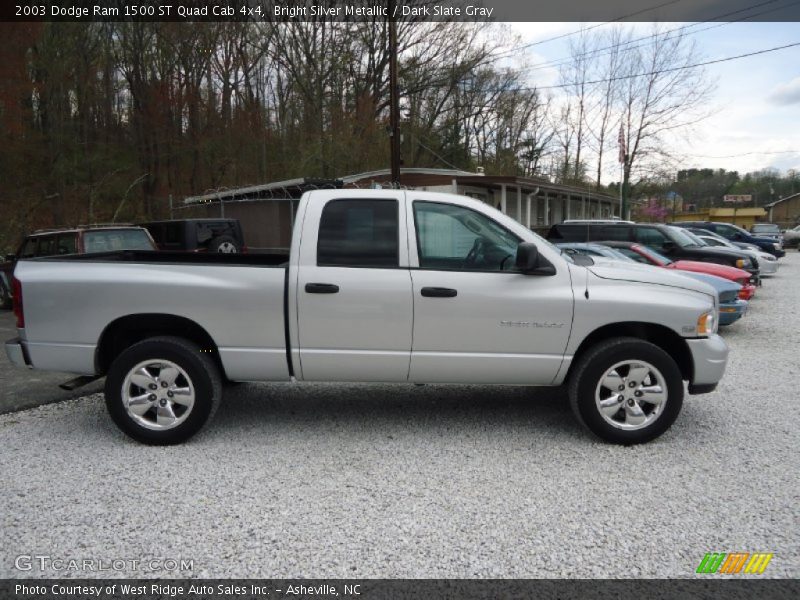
[(696, 239), (680, 237), (766, 228), (654, 256), (109, 240)]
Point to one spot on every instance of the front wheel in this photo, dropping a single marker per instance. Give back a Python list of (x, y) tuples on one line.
[(626, 391), (162, 390)]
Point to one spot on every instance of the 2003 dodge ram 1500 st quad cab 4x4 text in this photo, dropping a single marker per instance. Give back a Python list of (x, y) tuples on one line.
[(378, 286)]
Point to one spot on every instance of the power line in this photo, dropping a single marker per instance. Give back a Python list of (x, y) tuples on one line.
[(597, 52), (622, 18), (672, 69)]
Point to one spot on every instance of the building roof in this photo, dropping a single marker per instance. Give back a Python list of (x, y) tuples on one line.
[(411, 177), (792, 197), (288, 188)]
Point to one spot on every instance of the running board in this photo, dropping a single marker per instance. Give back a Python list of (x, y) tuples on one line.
[(80, 381)]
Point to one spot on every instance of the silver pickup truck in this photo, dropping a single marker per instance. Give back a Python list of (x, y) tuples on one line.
[(383, 286)]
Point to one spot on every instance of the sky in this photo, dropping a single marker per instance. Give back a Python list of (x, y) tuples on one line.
[(755, 103)]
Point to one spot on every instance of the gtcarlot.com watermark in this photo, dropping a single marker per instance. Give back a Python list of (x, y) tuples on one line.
[(45, 562)]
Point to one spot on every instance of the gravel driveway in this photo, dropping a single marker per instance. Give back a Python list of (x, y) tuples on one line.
[(397, 481)]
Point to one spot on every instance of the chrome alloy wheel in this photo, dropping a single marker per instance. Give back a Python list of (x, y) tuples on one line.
[(158, 394), (631, 395), (227, 248)]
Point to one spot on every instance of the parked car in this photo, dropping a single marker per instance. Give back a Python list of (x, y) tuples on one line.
[(669, 241), (72, 240), (791, 237), (648, 256), (198, 235), (735, 233), (484, 299), (768, 230), (767, 264), (731, 308)]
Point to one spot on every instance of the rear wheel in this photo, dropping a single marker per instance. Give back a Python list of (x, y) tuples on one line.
[(626, 391), (162, 390)]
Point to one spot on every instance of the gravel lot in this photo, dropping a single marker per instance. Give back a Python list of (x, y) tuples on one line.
[(397, 481)]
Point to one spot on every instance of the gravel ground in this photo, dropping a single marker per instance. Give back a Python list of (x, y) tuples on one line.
[(397, 481)]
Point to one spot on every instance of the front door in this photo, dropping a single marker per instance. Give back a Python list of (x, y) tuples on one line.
[(476, 320)]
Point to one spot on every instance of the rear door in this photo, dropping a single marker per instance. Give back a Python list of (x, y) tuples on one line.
[(477, 320), (354, 304)]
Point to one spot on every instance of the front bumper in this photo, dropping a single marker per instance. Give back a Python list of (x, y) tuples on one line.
[(730, 312), (17, 353), (709, 358)]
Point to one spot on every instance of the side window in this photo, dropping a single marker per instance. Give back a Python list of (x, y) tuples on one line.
[(359, 233), (612, 233), (454, 237), (67, 243), (47, 246), (649, 236), (29, 248)]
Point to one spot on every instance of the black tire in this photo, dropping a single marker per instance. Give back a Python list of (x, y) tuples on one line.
[(590, 369), (225, 244), (203, 377)]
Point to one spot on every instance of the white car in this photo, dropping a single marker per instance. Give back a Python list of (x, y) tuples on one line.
[(767, 264), (791, 237)]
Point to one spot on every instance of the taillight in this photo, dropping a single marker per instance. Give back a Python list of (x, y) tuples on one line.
[(16, 290)]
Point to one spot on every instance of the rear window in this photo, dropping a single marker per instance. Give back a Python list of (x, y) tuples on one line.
[(109, 240), (766, 228), (47, 246)]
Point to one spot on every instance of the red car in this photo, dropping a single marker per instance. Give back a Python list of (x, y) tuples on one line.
[(645, 255)]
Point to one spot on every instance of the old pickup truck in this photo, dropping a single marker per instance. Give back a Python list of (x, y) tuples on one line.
[(378, 286)]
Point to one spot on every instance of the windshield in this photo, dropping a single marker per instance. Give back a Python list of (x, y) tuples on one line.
[(697, 240), (766, 228), (681, 237), (654, 256), (109, 240)]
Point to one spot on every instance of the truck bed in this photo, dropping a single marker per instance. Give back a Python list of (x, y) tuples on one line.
[(191, 258)]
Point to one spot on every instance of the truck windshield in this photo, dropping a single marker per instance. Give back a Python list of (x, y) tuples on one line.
[(109, 240), (698, 241), (680, 237)]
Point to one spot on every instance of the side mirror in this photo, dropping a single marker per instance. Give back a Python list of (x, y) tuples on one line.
[(737, 236), (529, 262), (668, 246)]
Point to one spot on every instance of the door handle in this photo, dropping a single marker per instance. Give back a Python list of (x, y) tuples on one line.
[(438, 292), (321, 288)]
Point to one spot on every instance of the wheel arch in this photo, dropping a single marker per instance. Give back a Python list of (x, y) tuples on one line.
[(659, 335), (126, 331)]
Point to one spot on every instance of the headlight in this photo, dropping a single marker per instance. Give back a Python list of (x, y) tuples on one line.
[(706, 323), (777, 246)]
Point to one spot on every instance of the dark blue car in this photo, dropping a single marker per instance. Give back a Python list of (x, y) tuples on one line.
[(735, 233)]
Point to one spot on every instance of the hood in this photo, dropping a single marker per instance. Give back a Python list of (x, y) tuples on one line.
[(725, 271), (639, 273), (719, 251), (718, 283)]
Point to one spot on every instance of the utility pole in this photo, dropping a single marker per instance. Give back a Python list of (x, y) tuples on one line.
[(394, 114)]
